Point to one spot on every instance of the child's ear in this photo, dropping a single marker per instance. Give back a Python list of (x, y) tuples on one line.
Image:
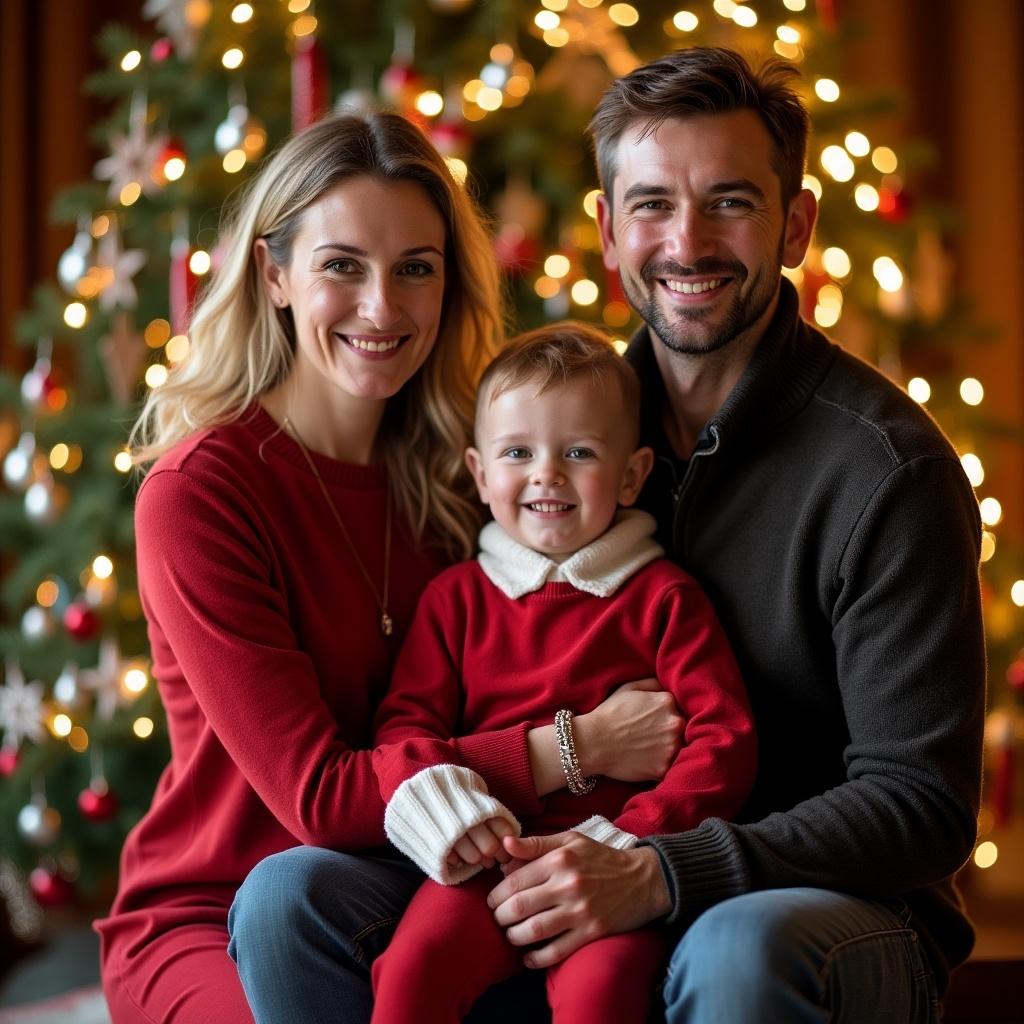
[(641, 462), (475, 463)]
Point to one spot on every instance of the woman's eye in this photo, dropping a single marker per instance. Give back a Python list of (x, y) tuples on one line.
[(417, 269), (341, 266)]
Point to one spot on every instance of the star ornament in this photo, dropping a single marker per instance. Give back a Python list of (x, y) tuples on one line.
[(132, 159), (182, 20), (105, 679), (118, 266), (21, 709)]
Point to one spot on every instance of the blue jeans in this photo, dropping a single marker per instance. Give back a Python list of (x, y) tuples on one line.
[(793, 956), (307, 924)]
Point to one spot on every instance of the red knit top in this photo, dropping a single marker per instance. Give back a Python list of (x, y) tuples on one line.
[(270, 661), (476, 659)]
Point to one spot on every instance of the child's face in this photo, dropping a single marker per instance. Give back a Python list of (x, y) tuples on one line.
[(555, 467)]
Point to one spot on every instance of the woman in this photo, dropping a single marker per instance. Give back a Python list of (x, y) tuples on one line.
[(307, 485)]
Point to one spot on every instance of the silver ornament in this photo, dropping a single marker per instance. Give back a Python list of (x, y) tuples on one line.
[(18, 464), (65, 688), (41, 503), (231, 131), (38, 823), (36, 623), (74, 262)]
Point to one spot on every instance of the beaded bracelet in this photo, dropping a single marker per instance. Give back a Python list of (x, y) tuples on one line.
[(579, 785)]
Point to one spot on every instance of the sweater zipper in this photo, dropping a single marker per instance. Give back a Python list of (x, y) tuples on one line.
[(683, 487)]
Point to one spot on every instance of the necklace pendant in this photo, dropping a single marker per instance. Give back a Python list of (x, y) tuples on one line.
[(386, 625)]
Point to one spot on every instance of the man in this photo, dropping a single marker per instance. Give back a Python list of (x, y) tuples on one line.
[(831, 525)]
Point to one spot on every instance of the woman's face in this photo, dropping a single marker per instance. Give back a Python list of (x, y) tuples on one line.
[(365, 286)]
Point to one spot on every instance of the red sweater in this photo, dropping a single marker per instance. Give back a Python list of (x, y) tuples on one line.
[(268, 652), (475, 660)]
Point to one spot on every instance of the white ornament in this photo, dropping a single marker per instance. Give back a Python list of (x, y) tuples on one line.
[(74, 262), (39, 823), (41, 502), (66, 690), (36, 623), (182, 20), (230, 132), (121, 266), (105, 679), (18, 464), (132, 156), (21, 708)]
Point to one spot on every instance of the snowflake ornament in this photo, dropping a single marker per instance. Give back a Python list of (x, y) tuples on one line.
[(119, 266), (105, 679), (182, 20), (132, 156), (21, 709)]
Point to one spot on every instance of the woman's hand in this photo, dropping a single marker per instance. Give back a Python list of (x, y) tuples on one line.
[(633, 736)]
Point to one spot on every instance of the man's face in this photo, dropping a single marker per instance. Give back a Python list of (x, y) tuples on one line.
[(697, 230)]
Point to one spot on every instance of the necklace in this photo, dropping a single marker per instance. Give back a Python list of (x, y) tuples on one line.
[(386, 625)]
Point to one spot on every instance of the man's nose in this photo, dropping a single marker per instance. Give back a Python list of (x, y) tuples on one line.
[(691, 237)]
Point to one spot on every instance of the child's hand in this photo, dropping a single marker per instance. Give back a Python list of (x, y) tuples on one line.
[(482, 844)]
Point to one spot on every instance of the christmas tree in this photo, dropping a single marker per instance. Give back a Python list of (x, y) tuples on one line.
[(505, 89)]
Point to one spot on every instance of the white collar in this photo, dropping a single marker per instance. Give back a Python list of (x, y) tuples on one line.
[(599, 569)]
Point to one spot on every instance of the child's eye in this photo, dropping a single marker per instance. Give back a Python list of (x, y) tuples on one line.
[(581, 453), (516, 453)]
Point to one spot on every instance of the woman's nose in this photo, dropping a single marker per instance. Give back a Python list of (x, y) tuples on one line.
[(377, 306)]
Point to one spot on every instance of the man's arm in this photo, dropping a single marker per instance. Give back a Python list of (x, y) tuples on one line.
[(907, 632)]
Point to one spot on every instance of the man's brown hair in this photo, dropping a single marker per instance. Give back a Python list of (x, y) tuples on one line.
[(706, 80)]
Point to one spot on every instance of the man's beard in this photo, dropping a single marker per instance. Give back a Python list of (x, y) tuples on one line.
[(682, 333)]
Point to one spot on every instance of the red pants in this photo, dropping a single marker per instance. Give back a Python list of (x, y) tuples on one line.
[(180, 976), (448, 950)]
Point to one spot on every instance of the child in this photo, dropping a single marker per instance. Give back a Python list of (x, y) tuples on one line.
[(568, 599)]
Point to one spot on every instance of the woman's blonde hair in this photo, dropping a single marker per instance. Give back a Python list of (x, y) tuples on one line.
[(242, 345)]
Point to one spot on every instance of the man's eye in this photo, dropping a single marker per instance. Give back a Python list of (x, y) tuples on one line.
[(651, 204), (732, 203)]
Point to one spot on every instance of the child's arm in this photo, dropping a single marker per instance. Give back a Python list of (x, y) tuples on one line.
[(714, 770), (439, 813)]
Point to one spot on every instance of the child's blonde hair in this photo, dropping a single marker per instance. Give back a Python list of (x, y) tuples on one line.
[(555, 354)]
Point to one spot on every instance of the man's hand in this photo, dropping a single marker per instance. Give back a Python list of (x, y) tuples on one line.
[(572, 890), (482, 844)]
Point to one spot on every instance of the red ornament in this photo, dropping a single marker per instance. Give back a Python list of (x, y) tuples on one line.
[(81, 621), (309, 82), (49, 888), (97, 804), (8, 762), (893, 207), (161, 50), (451, 139), (1015, 674), (813, 282), (183, 286), (400, 85), (515, 251)]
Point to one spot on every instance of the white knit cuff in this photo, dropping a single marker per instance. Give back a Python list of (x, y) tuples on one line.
[(430, 812), (601, 830)]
